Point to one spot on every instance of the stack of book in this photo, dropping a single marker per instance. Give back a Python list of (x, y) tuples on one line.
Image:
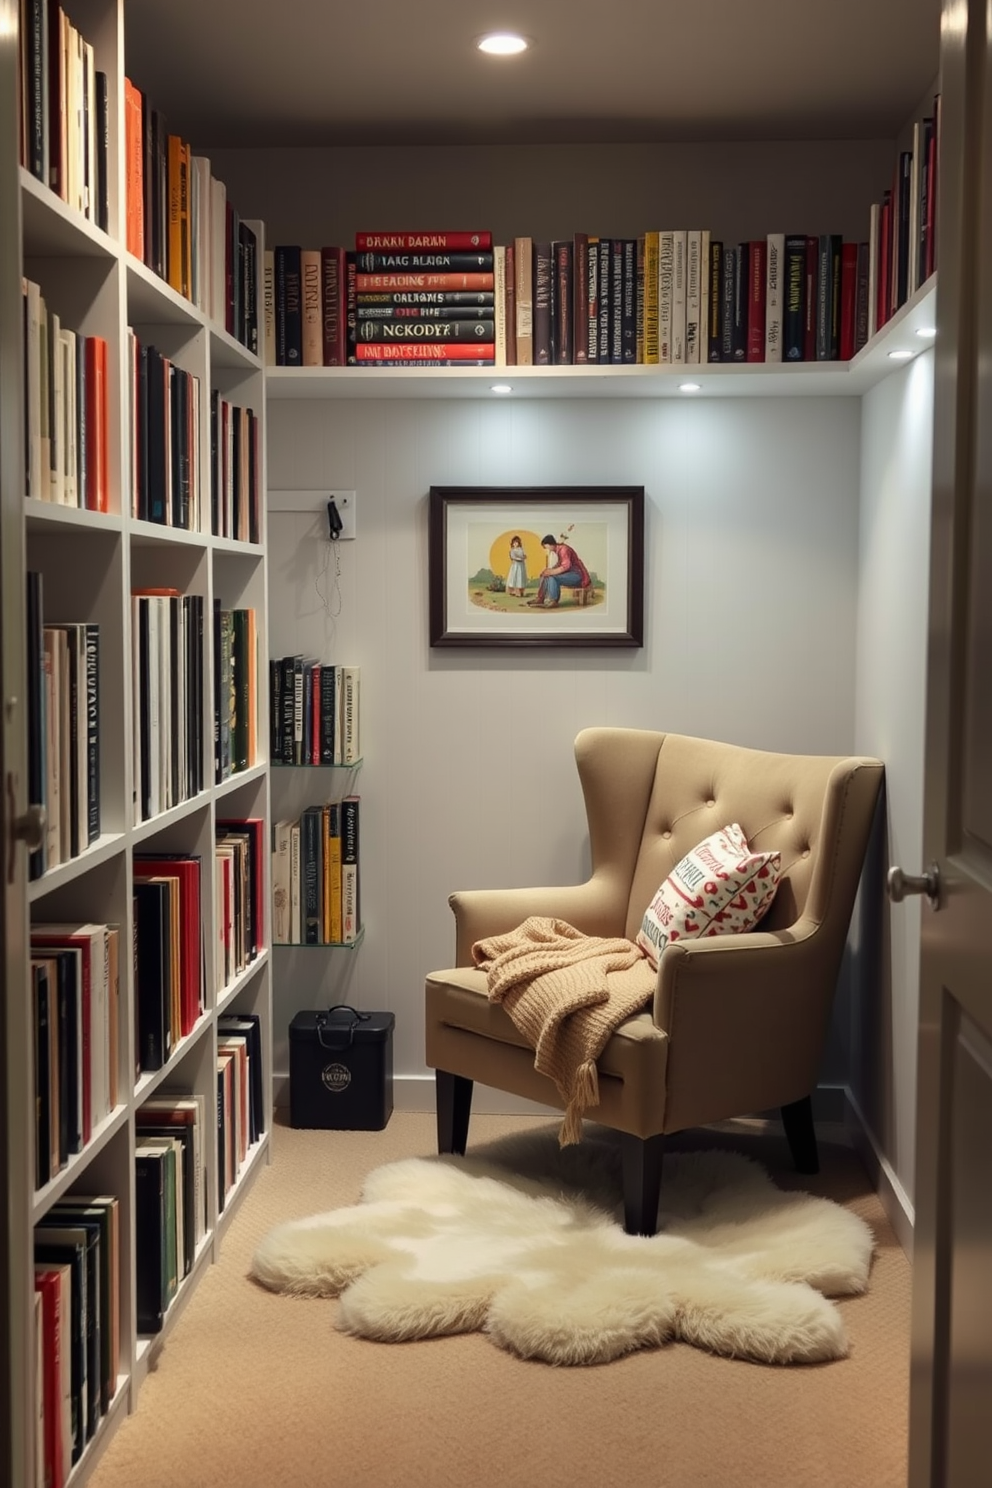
[(77, 1281), (75, 980), (235, 690), (167, 726), (239, 868), (181, 224), (168, 953), (63, 672), (234, 470), (422, 298), (314, 712), (66, 453), (316, 876), (64, 114), (163, 411)]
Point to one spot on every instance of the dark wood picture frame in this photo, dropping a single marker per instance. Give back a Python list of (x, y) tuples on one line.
[(596, 565)]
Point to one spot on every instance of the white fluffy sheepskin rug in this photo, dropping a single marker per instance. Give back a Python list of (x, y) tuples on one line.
[(524, 1242)]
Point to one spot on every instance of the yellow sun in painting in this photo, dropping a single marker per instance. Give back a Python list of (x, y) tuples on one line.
[(534, 555)]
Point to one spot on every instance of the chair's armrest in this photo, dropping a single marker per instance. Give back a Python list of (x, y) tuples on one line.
[(479, 913), (748, 1011)]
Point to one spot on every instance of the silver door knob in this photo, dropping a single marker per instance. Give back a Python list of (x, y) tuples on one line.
[(901, 885)]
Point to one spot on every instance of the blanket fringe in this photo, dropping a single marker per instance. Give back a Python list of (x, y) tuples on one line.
[(584, 1093)]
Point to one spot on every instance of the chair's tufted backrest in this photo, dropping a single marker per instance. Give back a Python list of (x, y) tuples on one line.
[(815, 810)]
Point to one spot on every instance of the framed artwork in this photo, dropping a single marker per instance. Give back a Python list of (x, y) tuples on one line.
[(536, 565)]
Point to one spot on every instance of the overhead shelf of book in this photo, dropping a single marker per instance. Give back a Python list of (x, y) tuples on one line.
[(903, 337)]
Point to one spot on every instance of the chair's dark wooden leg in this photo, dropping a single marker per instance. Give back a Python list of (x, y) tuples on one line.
[(641, 1182), (454, 1106), (800, 1133)]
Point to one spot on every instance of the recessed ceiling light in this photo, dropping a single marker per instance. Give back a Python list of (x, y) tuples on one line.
[(928, 331), (689, 387), (501, 387), (502, 44), (900, 356)]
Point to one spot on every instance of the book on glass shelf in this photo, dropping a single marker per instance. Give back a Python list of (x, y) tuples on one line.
[(350, 870)]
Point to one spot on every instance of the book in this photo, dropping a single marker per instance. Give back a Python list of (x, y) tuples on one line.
[(523, 277), (403, 279), (422, 241), (351, 746), (693, 297), (541, 349), (427, 329), (482, 352), (774, 287), (756, 299), (334, 344), (311, 274), (288, 306), (68, 1245), (350, 869), (794, 301), (150, 1222), (457, 261), (103, 1212), (154, 974), (54, 1282)]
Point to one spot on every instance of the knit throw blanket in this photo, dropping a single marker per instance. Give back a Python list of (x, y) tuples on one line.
[(566, 993)]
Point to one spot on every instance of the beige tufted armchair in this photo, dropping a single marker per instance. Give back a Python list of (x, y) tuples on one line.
[(738, 1022)]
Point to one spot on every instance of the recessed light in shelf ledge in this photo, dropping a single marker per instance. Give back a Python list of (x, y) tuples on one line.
[(502, 44), (689, 387), (501, 387), (900, 355)]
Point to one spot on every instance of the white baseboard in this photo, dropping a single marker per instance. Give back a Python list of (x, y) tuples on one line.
[(895, 1201)]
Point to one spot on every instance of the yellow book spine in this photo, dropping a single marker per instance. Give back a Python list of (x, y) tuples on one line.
[(334, 874), (651, 341), (174, 257)]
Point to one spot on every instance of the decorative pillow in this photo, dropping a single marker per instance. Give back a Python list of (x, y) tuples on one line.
[(721, 887)]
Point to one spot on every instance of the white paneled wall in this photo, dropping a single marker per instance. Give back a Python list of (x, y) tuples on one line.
[(751, 578)]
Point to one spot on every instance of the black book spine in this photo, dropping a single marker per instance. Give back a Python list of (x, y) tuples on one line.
[(424, 263), (275, 710), (147, 177), (836, 259), (70, 1035), (543, 296), (902, 227), (77, 723), (794, 280), (92, 732), (102, 150), (153, 980), (250, 289), (715, 270), (742, 264), (176, 668), (289, 710), (36, 80), (308, 706), (157, 494), (42, 1075), (481, 308), (628, 306), (616, 301), (311, 869), (605, 298), (216, 463), (289, 308), (861, 297), (328, 703), (728, 281), (141, 702), (426, 330), (184, 388), (149, 1229)]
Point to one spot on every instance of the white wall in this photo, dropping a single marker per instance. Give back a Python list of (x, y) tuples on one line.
[(896, 448), (751, 607)]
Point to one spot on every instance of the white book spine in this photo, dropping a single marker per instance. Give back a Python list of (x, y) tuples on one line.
[(499, 302), (774, 263), (32, 389), (350, 714), (91, 128), (70, 472), (678, 299), (692, 296), (666, 268), (56, 370)]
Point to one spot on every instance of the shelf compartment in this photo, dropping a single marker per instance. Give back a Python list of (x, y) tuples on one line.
[(228, 994), (106, 846), (53, 229), (77, 1164)]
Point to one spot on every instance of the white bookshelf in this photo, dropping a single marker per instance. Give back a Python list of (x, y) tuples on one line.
[(90, 562), (903, 333)]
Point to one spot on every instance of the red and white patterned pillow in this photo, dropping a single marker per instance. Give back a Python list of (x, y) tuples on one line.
[(721, 887)]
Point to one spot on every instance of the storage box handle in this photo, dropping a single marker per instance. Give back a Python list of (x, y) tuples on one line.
[(339, 1038)]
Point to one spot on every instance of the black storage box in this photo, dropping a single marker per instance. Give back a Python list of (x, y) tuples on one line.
[(341, 1069)]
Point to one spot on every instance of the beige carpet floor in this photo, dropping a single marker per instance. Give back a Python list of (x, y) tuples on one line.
[(260, 1391)]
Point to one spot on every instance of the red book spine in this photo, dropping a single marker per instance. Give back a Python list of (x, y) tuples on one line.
[(420, 351), (757, 261), (96, 424), (47, 1283), (809, 329), (848, 298), (332, 266), (387, 242), (365, 282)]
